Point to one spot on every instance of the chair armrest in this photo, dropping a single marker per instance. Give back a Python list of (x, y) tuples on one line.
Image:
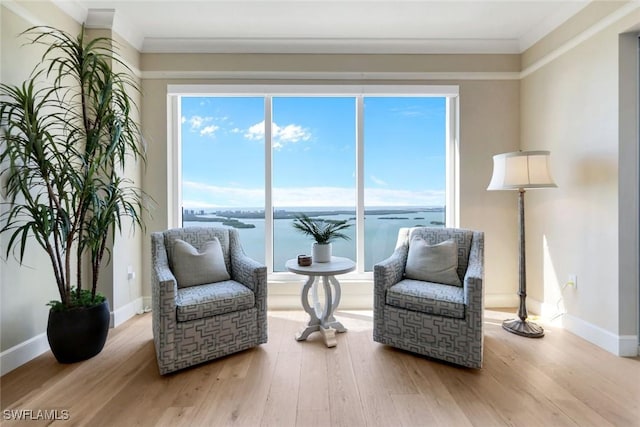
[(474, 277), (164, 289), (249, 272), (253, 275), (165, 286), (386, 274), (472, 286), (390, 271)]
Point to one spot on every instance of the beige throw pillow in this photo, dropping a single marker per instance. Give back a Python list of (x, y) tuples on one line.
[(198, 268), (433, 263)]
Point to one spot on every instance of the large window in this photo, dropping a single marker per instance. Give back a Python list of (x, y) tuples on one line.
[(405, 169), (313, 146), (252, 160), (223, 165)]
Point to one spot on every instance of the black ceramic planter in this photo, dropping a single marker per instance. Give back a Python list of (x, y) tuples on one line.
[(78, 334)]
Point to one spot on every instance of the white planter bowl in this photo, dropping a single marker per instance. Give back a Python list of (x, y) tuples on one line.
[(321, 252)]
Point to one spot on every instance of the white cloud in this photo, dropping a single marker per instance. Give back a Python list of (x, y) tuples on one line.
[(255, 132), (281, 135), (395, 197), (204, 125), (201, 124), (409, 111), (314, 196), (199, 194), (196, 122), (344, 196), (198, 204), (290, 133), (209, 130), (378, 181), (205, 195)]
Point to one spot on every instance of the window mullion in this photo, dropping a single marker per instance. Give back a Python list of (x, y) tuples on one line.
[(360, 184), (174, 184), (268, 182), (452, 191)]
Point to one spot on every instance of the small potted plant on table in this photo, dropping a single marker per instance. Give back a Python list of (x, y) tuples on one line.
[(323, 232)]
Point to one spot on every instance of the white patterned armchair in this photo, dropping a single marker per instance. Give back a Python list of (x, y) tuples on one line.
[(432, 318), (195, 322)]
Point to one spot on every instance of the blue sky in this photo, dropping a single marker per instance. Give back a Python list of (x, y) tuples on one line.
[(314, 156)]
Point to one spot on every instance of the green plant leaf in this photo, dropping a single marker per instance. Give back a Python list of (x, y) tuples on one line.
[(322, 231)]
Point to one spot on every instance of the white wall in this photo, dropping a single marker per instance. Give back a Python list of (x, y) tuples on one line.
[(571, 106), (124, 292)]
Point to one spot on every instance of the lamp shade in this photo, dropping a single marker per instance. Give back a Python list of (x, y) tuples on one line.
[(521, 169)]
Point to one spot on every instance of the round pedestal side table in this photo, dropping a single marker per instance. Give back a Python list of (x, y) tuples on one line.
[(321, 315)]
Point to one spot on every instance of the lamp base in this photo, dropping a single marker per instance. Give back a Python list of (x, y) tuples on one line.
[(523, 328)]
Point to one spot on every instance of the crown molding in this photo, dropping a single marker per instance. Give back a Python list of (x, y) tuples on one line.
[(100, 18), (23, 13), (328, 45), (581, 37), (103, 19), (72, 8), (551, 23), (327, 76)]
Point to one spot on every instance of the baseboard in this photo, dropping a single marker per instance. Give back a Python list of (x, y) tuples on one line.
[(22, 353), (356, 295), (500, 300), (127, 311), (146, 305), (620, 345)]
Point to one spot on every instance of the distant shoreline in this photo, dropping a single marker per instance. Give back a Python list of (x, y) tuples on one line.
[(284, 214), (232, 218)]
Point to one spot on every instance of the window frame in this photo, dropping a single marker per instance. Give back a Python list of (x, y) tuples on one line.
[(359, 92)]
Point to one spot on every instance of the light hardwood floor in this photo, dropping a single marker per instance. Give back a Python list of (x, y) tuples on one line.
[(559, 380)]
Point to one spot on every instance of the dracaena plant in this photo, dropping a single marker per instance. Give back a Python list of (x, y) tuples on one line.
[(66, 134)]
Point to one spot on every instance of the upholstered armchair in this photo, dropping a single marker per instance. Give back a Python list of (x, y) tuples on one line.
[(428, 295), (208, 298)]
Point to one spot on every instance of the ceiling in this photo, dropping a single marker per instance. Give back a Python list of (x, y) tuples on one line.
[(327, 26)]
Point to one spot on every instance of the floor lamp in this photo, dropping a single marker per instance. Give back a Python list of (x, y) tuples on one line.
[(521, 170)]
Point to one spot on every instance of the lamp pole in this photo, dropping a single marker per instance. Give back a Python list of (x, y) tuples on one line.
[(521, 326)]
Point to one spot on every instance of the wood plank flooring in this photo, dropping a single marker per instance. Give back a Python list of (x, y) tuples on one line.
[(559, 380)]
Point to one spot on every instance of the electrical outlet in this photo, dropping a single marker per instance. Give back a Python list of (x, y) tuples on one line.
[(573, 281)]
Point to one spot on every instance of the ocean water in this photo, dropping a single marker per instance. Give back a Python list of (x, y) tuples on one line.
[(381, 233)]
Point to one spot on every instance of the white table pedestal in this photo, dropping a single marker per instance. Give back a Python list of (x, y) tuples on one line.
[(321, 312)]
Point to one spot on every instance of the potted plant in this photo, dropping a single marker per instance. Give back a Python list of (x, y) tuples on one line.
[(66, 135), (323, 232)]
